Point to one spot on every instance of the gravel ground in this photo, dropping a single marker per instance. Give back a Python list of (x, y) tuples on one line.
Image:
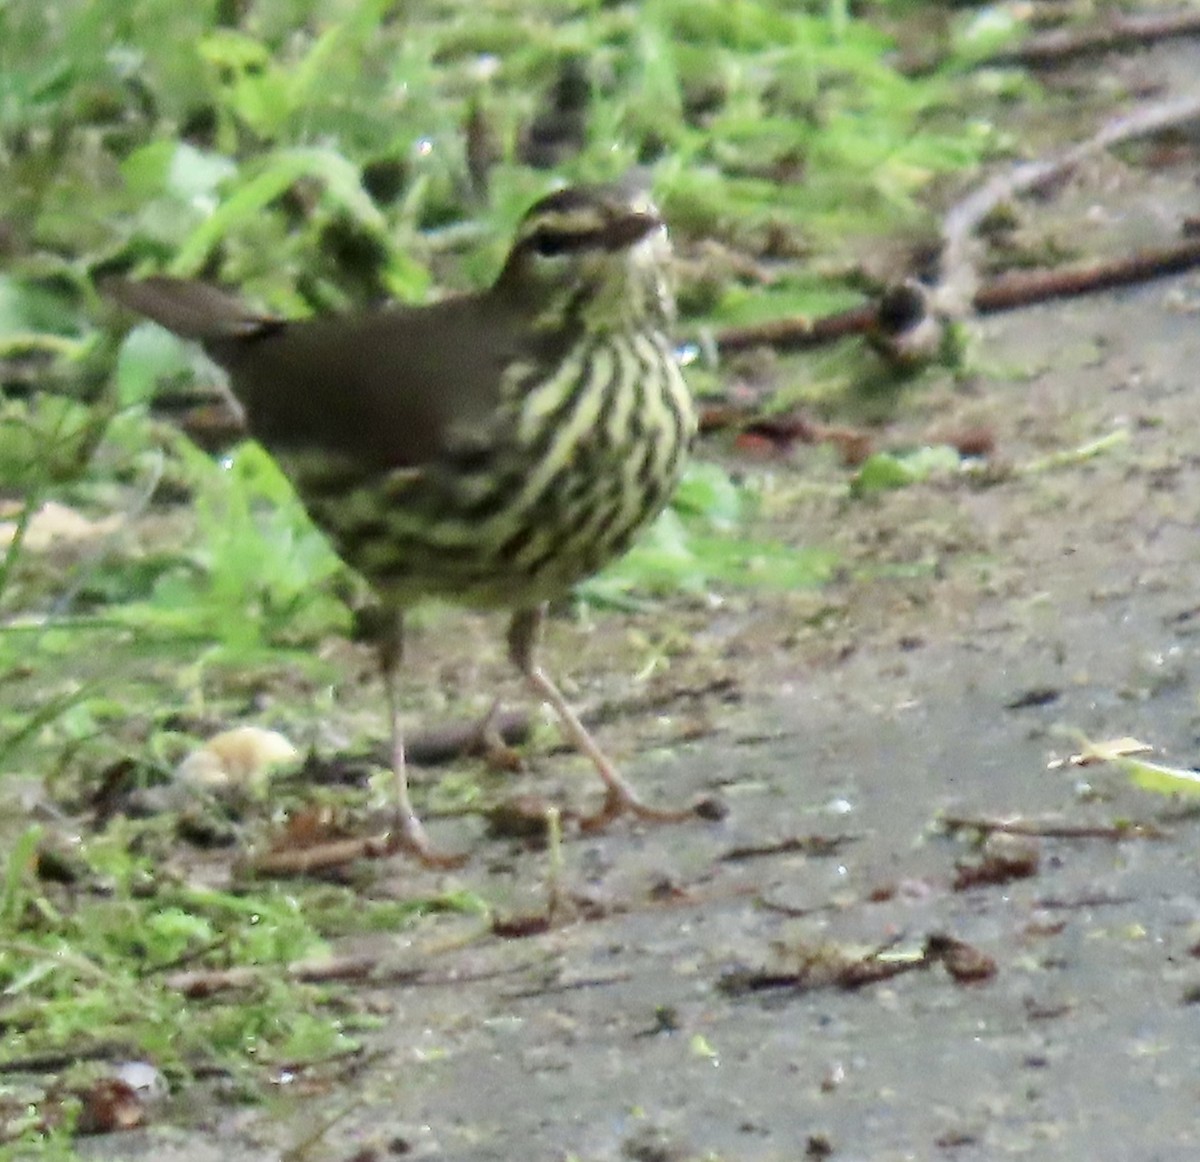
[(1060, 602)]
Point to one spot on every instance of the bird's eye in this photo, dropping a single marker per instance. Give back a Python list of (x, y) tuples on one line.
[(549, 243)]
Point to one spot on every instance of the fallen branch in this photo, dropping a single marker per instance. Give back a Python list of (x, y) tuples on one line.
[(958, 284), (1089, 900), (443, 744), (198, 983), (1052, 829), (1051, 48), (830, 966), (1021, 288), (1004, 293), (372, 970), (818, 846), (555, 988), (821, 966), (958, 291), (325, 856), (796, 333)]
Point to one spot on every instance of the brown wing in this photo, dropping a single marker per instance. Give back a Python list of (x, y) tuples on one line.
[(383, 386)]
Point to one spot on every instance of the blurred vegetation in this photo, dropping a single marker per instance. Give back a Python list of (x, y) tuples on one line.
[(320, 154)]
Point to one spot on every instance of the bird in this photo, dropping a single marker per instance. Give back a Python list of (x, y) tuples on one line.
[(491, 449)]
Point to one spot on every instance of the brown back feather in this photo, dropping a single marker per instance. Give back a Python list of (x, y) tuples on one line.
[(383, 386)]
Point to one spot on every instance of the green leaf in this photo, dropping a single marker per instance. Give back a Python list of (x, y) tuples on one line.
[(340, 178), (304, 79), (27, 309), (175, 168), (708, 491), (233, 51), (45, 440), (888, 470), (18, 874), (195, 174), (149, 355), (1161, 779), (261, 101), (881, 472)]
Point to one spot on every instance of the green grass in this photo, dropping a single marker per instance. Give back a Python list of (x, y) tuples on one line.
[(315, 154), (87, 967)]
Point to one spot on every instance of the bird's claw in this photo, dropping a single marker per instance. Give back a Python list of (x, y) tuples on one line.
[(623, 800), (409, 836)]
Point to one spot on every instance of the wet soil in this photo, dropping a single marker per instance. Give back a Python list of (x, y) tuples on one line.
[(1012, 618)]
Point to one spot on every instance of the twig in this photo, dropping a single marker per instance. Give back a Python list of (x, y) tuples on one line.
[(778, 431), (569, 986), (1019, 288), (825, 966), (1004, 293), (371, 970), (795, 911), (814, 845), (199, 983), (320, 857), (958, 290), (1050, 48), (657, 700), (443, 744), (958, 284), (1052, 829), (1089, 900), (795, 334)]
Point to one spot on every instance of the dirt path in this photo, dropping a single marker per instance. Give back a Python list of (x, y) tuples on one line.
[(1060, 599)]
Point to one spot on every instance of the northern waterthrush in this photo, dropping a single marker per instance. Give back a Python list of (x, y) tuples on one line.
[(490, 449)]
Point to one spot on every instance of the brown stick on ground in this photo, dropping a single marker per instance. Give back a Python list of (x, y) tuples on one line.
[(793, 334), (323, 857), (959, 280), (1051, 48), (1020, 288), (1004, 293), (205, 982), (1053, 828), (958, 291), (443, 744)]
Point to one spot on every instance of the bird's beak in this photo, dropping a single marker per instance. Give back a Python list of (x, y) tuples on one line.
[(629, 226)]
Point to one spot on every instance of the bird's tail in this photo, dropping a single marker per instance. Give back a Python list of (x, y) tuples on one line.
[(192, 310)]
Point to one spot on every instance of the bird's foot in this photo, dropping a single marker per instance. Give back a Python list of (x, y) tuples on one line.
[(409, 836), (622, 799)]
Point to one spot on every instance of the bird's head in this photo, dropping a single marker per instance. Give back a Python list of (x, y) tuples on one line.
[(591, 257)]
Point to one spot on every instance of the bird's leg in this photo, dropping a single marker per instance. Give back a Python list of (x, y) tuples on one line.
[(620, 796), (409, 831)]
